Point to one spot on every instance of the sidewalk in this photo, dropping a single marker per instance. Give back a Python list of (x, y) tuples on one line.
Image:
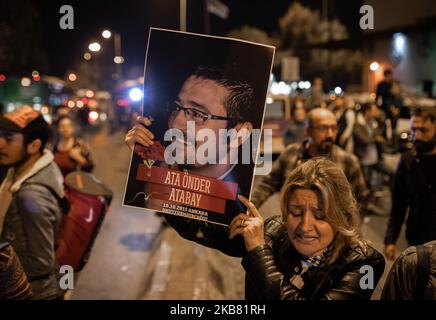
[(183, 270)]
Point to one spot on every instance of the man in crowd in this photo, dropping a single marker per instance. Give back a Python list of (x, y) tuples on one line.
[(30, 213), (413, 275), (415, 186), (367, 143), (321, 129)]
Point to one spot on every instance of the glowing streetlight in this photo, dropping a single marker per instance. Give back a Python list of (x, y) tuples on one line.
[(118, 59), (94, 47), (374, 66), (72, 77), (89, 93), (25, 82), (135, 94), (87, 56), (106, 34)]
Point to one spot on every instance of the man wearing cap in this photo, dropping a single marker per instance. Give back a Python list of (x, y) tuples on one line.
[(30, 213)]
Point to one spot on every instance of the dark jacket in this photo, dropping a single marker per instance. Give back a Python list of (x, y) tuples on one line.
[(270, 267), (402, 281), (414, 190)]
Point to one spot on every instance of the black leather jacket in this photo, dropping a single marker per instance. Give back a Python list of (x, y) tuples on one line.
[(401, 283), (270, 267)]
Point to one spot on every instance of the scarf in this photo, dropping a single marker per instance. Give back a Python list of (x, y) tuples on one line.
[(309, 262)]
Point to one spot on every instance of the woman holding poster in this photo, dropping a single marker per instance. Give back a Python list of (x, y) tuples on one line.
[(314, 251)]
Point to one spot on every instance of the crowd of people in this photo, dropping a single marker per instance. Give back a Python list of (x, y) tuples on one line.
[(326, 178), (315, 249)]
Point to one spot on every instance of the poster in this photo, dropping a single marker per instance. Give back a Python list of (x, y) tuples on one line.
[(204, 100)]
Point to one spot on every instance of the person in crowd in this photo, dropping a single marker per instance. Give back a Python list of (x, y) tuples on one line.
[(413, 275), (415, 186), (314, 250), (384, 95), (316, 93), (30, 213), (368, 142), (321, 129), (70, 152), (388, 97), (296, 131), (346, 118)]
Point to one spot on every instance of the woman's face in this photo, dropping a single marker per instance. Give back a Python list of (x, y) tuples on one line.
[(65, 128), (306, 223)]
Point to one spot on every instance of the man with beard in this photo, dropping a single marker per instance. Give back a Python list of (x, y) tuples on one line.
[(321, 129), (415, 186), (30, 213)]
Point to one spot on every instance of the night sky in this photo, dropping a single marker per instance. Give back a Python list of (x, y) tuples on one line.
[(132, 18)]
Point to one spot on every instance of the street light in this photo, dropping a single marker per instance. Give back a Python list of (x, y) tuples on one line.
[(25, 82), (94, 47), (374, 66), (118, 59), (72, 77), (106, 34)]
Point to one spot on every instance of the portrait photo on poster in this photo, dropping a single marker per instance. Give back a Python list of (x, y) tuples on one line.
[(204, 102)]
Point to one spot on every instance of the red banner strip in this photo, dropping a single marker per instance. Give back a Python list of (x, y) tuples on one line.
[(157, 194), (188, 181)]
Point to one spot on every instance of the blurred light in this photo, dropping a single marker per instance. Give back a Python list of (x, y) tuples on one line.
[(72, 77), (103, 116), (35, 73), (71, 104), (307, 85), (404, 135), (93, 115), (37, 106), (399, 42), (89, 93), (79, 104), (36, 99), (338, 90), (374, 66), (87, 56), (372, 96), (106, 34), (2, 77), (10, 107), (25, 82), (36, 78), (269, 100), (301, 85), (294, 85), (123, 102), (92, 103), (94, 47), (84, 100), (118, 60), (44, 110), (135, 94)]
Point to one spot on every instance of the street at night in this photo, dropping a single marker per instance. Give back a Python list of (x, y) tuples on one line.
[(226, 154)]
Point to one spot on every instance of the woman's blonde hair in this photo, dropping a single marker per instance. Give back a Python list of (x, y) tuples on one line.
[(339, 204)]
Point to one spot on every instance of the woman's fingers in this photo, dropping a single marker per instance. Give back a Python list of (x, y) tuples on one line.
[(240, 222), (251, 207), (140, 128), (133, 137)]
